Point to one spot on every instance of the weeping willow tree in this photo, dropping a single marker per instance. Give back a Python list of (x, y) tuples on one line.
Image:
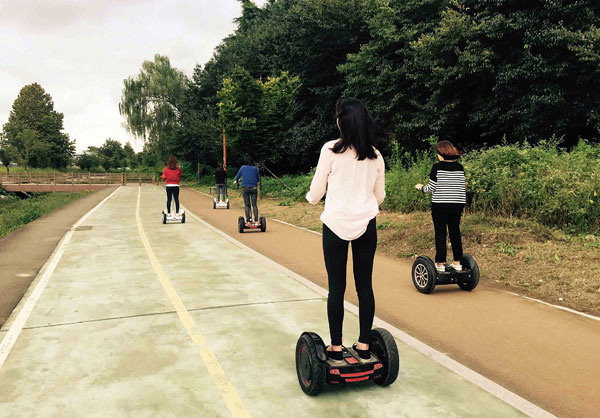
[(151, 104)]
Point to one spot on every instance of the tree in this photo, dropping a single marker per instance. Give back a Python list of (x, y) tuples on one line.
[(88, 161), (151, 103), (34, 152), (111, 154), (381, 74), (6, 158), (112, 148), (148, 157), (257, 116), (129, 156), (305, 38), (7, 153), (471, 71), (34, 130), (513, 70)]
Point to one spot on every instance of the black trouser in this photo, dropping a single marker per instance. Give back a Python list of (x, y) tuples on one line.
[(447, 216), (221, 192), (172, 192), (335, 251), (250, 195)]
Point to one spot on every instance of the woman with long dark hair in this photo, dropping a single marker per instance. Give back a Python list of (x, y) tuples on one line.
[(352, 171), (171, 175)]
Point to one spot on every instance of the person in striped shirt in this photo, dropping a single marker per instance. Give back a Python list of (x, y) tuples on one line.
[(447, 186)]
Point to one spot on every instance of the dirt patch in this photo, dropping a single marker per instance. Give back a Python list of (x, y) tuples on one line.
[(513, 254)]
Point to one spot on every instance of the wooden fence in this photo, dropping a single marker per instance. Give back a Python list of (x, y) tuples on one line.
[(31, 181)]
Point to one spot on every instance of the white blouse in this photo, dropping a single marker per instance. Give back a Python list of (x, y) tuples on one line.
[(355, 189)]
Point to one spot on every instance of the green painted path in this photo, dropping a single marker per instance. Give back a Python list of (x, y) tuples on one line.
[(105, 338)]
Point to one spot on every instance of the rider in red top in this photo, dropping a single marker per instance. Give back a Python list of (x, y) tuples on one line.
[(171, 175)]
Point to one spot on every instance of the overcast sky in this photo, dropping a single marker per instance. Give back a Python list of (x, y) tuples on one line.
[(81, 50)]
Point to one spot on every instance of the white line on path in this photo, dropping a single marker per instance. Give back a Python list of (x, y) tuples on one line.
[(563, 308), (296, 226), (472, 376), (15, 330)]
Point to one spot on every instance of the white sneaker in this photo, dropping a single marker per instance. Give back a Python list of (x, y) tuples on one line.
[(441, 268), (456, 267)]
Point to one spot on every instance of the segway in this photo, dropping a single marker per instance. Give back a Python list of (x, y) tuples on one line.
[(315, 369), (260, 226), (425, 276), (176, 217), (243, 224), (220, 204)]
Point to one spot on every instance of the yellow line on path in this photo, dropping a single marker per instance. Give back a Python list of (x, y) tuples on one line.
[(228, 392)]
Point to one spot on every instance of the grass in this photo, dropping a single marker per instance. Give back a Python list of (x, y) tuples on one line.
[(16, 212), (519, 255), (552, 186)]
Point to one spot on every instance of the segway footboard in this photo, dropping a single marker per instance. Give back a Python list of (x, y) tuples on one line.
[(353, 370)]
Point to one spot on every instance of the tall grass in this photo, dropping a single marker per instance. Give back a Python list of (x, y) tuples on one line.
[(400, 183), (14, 212), (298, 183), (544, 183), (552, 186)]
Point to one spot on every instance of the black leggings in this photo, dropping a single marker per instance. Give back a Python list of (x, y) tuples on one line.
[(172, 192), (447, 216), (335, 251)]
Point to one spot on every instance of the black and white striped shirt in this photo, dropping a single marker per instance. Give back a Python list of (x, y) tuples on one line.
[(447, 183)]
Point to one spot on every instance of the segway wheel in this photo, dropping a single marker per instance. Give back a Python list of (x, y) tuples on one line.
[(164, 216), (241, 223), (471, 264), (214, 204), (263, 224), (183, 218), (227, 204), (384, 347), (310, 369), (424, 275)]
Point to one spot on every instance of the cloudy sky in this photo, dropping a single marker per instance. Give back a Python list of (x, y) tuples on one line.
[(81, 50)]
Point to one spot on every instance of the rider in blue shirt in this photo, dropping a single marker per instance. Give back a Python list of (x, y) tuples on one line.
[(250, 178)]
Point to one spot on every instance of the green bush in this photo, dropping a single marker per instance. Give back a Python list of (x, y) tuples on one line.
[(189, 171), (400, 184), (543, 183), (549, 185), (298, 183)]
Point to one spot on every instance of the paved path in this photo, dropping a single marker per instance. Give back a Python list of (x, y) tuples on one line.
[(150, 320), (24, 251), (548, 356)]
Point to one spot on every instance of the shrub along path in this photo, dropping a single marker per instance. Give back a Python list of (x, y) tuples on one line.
[(548, 356), (16, 212)]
